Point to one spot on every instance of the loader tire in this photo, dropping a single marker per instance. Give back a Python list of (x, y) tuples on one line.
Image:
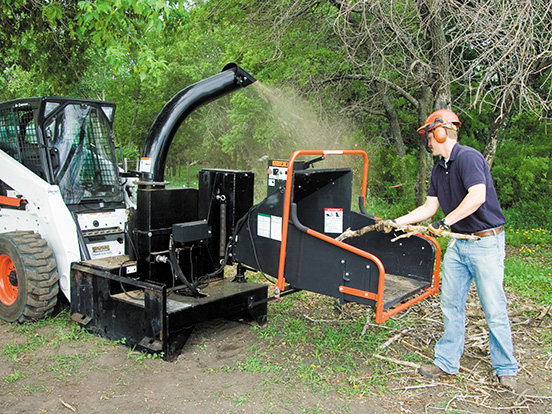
[(28, 277)]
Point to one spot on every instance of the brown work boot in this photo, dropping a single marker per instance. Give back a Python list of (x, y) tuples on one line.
[(509, 382), (430, 371)]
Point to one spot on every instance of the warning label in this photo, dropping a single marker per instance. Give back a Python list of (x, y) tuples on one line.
[(269, 226), (333, 220)]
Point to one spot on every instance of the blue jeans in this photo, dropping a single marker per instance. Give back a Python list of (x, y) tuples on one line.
[(464, 262)]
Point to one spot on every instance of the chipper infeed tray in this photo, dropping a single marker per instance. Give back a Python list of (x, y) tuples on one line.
[(292, 234)]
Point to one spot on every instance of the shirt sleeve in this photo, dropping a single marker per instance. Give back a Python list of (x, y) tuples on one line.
[(473, 166), (432, 190)]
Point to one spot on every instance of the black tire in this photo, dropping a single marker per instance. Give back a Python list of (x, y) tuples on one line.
[(28, 277)]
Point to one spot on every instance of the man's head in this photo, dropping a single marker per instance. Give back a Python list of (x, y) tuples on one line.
[(439, 125)]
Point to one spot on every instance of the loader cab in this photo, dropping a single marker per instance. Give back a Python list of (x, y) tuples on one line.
[(66, 142), (81, 153), (69, 143)]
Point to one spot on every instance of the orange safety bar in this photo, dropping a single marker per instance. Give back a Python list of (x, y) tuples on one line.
[(382, 316)]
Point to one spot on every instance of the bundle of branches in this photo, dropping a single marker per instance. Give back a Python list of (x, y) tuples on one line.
[(407, 229)]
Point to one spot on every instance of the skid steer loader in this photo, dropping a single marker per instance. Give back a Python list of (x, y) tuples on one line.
[(145, 263)]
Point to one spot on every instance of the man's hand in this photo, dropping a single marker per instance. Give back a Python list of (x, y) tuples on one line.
[(436, 229), (385, 226)]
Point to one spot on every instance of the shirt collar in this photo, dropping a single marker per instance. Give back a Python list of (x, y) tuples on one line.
[(453, 155)]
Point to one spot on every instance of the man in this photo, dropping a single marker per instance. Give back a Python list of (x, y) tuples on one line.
[(461, 184)]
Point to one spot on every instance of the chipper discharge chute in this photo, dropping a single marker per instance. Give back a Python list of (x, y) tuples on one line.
[(292, 234)]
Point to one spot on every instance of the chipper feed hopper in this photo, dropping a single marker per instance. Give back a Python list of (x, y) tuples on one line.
[(292, 234), (144, 263)]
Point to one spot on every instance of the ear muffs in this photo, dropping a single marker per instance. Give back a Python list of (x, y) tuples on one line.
[(440, 134)]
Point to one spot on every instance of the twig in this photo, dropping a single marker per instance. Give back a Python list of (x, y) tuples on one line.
[(69, 406), (415, 387), (543, 314), (396, 361), (417, 350), (519, 398), (514, 407), (410, 229), (323, 320), (528, 372), (392, 339), (476, 388), (450, 402), (408, 344), (444, 409)]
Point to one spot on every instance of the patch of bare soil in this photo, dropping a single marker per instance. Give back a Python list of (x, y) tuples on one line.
[(91, 375)]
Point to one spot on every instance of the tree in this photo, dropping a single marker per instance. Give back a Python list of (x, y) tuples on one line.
[(57, 41), (502, 53), (418, 49)]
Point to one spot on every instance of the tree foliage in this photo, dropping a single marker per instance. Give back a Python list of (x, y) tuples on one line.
[(332, 73)]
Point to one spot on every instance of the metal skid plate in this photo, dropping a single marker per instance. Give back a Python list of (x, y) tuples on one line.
[(146, 315)]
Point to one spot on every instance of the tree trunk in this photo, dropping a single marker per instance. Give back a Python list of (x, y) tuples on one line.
[(501, 114), (425, 106), (393, 118), (492, 142)]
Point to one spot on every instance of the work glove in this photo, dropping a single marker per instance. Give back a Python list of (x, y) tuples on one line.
[(385, 226), (436, 229)]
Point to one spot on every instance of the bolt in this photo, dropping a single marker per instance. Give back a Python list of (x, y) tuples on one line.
[(13, 278)]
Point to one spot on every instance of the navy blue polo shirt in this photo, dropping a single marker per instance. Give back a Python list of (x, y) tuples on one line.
[(465, 168)]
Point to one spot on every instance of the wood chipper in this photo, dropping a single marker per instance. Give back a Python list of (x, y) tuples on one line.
[(144, 263)]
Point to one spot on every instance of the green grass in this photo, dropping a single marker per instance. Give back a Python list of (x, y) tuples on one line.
[(327, 356), (31, 338), (528, 266), (16, 376)]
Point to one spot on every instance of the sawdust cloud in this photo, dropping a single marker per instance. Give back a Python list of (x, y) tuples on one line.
[(301, 125)]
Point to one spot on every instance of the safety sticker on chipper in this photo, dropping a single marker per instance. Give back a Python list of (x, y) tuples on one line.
[(333, 220), (277, 171), (269, 226)]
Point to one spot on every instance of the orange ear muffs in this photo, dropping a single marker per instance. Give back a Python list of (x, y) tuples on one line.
[(440, 134)]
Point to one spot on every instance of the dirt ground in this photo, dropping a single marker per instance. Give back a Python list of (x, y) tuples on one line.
[(92, 375)]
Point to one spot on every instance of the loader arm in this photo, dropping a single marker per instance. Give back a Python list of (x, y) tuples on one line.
[(46, 213)]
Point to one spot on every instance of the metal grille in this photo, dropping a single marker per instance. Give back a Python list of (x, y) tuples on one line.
[(81, 137), (18, 137), (97, 164)]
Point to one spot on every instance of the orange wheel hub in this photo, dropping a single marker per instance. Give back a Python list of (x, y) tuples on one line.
[(8, 281)]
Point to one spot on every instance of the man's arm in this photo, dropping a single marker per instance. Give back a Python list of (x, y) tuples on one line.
[(477, 195), (425, 211)]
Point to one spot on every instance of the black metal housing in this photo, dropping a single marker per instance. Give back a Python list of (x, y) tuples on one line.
[(152, 307), (225, 196), (108, 300)]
